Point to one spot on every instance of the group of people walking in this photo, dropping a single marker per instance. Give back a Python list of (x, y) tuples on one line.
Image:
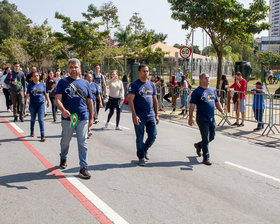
[(79, 99)]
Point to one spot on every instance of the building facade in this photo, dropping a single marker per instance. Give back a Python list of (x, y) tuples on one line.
[(274, 17)]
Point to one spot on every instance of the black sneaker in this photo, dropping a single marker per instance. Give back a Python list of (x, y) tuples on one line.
[(21, 119), (63, 164), (15, 119), (142, 162), (147, 156), (198, 149), (84, 173), (206, 162)]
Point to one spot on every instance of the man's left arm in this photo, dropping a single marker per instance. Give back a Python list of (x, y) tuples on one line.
[(155, 104), (90, 109), (23, 82), (219, 107)]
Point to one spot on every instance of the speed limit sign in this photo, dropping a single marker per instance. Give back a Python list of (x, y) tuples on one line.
[(185, 52)]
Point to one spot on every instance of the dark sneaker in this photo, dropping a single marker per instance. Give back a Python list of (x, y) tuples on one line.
[(43, 139), (241, 125), (15, 119), (84, 173), (198, 149), (142, 162), (96, 121), (235, 124), (147, 156), (63, 164), (21, 119), (206, 162), (257, 129), (32, 134)]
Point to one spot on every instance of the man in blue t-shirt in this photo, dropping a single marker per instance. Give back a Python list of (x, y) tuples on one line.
[(258, 104), (142, 99), (205, 98), (74, 99)]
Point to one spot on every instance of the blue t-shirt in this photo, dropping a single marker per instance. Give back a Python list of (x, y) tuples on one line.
[(71, 101), (179, 76), (36, 92), (205, 100), (258, 100), (143, 101), (94, 90)]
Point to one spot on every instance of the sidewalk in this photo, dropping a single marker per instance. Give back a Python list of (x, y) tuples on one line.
[(245, 133)]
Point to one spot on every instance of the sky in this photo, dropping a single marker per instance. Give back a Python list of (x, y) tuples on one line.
[(156, 15)]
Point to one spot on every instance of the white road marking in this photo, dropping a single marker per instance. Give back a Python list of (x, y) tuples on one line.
[(101, 205), (253, 171), (120, 126), (16, 127)]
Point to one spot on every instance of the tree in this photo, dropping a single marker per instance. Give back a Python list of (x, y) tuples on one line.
[(109, 16), (13, 24), (222, 20), (136, 24), (12, 51), (268, 58), (82, 37), (40, 43), (125, 40), (152, 58)]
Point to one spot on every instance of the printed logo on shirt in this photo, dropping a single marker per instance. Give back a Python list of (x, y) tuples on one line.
[(207, 98), (145, 93), (69, 91), (36, 92)]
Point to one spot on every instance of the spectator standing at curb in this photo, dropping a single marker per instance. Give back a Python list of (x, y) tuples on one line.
[(258, 104), (16, 82), (205, 99), (240, 86), (73, 98), (142, 99)]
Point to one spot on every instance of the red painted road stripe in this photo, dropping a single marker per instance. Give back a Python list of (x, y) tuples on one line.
[(72, 189)]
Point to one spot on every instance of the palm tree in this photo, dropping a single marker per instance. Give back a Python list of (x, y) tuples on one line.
[(124, 38)]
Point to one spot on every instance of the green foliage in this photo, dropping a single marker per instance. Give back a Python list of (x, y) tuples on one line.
[(152, 58), (136, 24), (40, 43), (82, 37), (12, 51), (109, 15), (13, 24), (268, 58), (222, 20)]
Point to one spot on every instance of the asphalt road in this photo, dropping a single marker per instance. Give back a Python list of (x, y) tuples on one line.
[(242, 185)]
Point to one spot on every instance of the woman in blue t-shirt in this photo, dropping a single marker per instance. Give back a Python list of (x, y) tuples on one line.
[(36, 91)]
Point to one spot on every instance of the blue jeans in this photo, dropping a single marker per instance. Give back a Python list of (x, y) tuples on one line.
[(82, 134), (151, 129), (184, 99), (207, 131), (259, 117), (54, 109), (39, 109)]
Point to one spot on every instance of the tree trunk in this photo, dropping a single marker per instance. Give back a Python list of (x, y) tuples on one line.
[(219, 70)]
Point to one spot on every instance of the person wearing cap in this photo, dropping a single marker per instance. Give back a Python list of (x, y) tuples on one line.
[(258, 104)]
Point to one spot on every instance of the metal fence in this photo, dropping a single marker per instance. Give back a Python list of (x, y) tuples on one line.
[(261, 108)]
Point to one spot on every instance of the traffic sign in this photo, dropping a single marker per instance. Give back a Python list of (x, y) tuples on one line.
[(185, 52)]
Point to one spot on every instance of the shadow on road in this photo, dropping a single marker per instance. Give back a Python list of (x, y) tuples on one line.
[(10, 181)]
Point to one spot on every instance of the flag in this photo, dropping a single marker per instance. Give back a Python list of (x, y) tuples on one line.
[(74, 120)]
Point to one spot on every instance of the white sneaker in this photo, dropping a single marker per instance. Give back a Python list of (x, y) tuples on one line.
[(118, 128), (172, 112), (106, 125)]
